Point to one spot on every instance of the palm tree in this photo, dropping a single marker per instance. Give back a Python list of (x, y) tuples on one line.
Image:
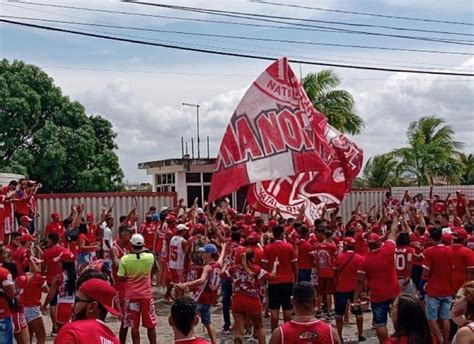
[(381, 171), (467, 176), (431, 152), (337, 105)]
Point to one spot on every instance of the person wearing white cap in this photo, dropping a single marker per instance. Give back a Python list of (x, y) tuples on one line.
[(177, 254), (135, 271)]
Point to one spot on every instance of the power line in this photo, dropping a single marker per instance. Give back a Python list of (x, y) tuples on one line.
[(245, 38), (224, 75), (362, 13), (264, 18), (226, 53), (251, 25)]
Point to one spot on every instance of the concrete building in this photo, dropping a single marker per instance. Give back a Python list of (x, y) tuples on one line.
[(189, 177)]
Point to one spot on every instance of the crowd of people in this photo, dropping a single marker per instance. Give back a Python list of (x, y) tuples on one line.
[(410, 259)]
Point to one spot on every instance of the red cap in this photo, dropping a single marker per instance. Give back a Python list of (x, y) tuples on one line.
[(55, 216), (65, 256), (200, 228), (373, 237), (447, 239), (100, 291), (25, 218), (376, 228), (26, 237), (349, 241), (171, 218), (248, 217), (459, 233), (172, 213), (253, 237), (90, 216), (272, 223), (232, 212)]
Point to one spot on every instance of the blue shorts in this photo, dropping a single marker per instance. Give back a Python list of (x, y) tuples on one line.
[(32, 313), (380, 312), (6, 330), (204, 312), (304, 275), (438, 307)]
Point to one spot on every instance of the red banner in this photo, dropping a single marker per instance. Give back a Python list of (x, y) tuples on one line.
[(275, 132)]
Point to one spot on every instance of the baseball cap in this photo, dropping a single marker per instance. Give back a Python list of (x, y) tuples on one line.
[(200, 228), (253, 237), (55, 216), (155, 217), (171, 218), (349, 241), (199, 211), (209, 248), (373, 237), (181, 227), (447, 239), (459, 233), (137, 240), (90, 216), (458, 191), (25, 218), (164, 208), (376, 228), (26, 237), (65, 256), (100, 291)]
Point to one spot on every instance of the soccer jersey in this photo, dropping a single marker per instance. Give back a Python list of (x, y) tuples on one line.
[(347, 264), (32, 289), (305, 254), (177, 255), (439, 262), (245, 283), (463, 259), (52, 268), (286, 256), (313, 332), (206, 293), (148, 231), (403, 256), (325, 255), (86, 331), (5, 281), (136, 268), (194, 340)]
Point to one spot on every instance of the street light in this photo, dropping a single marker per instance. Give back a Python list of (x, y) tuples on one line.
[(197, 114)]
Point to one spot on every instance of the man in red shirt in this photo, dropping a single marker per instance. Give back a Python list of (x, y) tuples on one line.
[(460, 203), (326, 253), (280, 288), (7, 197), (8, 287), (92, 303), (147, 230), (56, 226), (438, 270), (404, 263), (346, 266), (183, 319), (463, 259), (379, 271), (305, 254)]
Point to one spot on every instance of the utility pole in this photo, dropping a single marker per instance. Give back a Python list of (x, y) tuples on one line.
[(197, 115)]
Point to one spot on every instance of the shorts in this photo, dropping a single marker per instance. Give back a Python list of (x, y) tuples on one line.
[(64, 312), (141, 308), (380, 312), (6, 330), (408, 288), (279, 295), (340, 302), (32, 313), (119, 305), (438, 306), (84, 258), (19, 322), (314, 276), (8, 227), (326, 286), (204, 312), (242, 304), (178, 275), (304, 275)]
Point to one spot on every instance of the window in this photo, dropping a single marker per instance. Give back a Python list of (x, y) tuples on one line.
[(206, 177), (192, 177), (193, 192)]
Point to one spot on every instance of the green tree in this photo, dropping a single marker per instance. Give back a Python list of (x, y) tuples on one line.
[(431, 152), (50, 138), (336, 104), (381, 171), (467, 175)]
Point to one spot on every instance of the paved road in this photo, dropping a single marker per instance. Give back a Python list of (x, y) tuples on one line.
[(165, 334)]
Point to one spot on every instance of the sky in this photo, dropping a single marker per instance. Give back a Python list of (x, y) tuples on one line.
[(140, 89)]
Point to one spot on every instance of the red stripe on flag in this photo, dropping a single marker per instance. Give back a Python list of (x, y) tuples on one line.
[(228, 180)]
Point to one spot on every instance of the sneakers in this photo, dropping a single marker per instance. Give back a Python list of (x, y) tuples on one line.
[(330, 316), (362, 339), (54, 332), (318, 314), (248, 335), (226, 331)]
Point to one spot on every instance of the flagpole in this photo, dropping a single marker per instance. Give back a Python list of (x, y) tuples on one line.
[(197, 127)]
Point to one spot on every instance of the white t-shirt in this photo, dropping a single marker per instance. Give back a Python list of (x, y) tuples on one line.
[(107, 235)]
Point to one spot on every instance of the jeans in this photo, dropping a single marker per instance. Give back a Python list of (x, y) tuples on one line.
[(226, 291), (6, 330), (438, 307)]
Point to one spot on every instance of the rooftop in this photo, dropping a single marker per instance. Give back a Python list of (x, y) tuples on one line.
[(175, 162)]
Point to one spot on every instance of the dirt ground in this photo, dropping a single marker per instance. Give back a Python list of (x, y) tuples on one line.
[(165, 333)]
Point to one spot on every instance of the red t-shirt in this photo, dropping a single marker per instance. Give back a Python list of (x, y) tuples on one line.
[(350, 262), (206, 293), (86, 331), (313, 332), (379, 269), (286, 256), (247, 284), (21, 206), (257, 253), (7, 205), (56, 227), (20, 258), (460, 205), (463, 260), (231, 251), (148, 231), (305, 255), (5, 280), (439, 207), (403, 255), (52, 268), (418, 243), (361, 247), (326, 253), (32, 290), (194, 340), (92, 233), (87, 242), (439, 261)]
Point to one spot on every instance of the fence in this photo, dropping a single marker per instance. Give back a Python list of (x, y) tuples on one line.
[(368, 197), (93, 202), (442, 191)]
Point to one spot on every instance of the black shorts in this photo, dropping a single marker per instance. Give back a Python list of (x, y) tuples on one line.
[(279, 295), (340, 302), (54, 300)]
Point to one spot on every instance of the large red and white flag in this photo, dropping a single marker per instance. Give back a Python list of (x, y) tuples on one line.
[(311, 189), (275, 132)]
